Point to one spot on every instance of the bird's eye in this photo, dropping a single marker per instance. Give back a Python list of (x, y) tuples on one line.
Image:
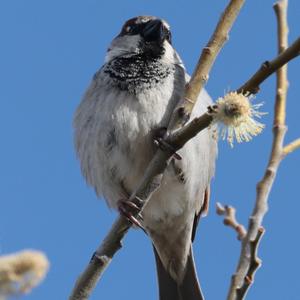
[(169, 37), (128, 29)]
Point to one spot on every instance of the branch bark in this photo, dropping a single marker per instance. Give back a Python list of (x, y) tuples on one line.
[(291, 147), (252, 86), (240, 283), (254, 264), (230, 219), (207, 58)]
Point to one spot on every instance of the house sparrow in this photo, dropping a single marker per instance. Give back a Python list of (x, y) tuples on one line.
[(129, 98)]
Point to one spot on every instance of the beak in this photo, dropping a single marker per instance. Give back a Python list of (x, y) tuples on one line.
[(154, 31)]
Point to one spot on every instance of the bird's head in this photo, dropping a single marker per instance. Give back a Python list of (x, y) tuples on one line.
[(146, 36)]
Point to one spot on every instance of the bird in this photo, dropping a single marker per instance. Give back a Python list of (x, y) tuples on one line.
[(126, 106)]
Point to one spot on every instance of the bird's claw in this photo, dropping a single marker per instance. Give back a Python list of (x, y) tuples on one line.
[(126, 209), (162, 144)]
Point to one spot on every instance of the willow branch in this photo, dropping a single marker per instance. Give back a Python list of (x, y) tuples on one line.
[(230, 219), (207, 58), (254, 264), (252, 86), (291, 147), (280, 9), (276, 155)]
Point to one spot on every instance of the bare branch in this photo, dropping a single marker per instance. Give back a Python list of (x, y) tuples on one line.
[(280, 9), (265, 185), (269, 67), (254, 264), (291, 147), (230, 219), (209, 53)]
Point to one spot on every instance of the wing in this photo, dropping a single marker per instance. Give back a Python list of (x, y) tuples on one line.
[(203, 212), (202, 154), (95, 141)]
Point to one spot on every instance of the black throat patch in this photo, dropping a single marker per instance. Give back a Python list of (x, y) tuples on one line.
[(137, 72)]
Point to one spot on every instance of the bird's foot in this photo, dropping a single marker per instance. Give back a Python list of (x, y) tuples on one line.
[(159, 134), (128, 209)]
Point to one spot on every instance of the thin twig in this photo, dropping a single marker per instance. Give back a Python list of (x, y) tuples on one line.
[(254, 264), (294, 145), (230, 219), (280, 9), (207, 58), (153, 174), (269, 67), (265, 185)]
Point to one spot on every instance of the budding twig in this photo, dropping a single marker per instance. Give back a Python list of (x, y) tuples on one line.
[(254, 264), (230, 219), (208, 56), (252, 86), (291, 147), (241, 281), (280, 9)]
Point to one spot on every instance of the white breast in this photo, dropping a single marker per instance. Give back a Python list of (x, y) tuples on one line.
[(112, 135)]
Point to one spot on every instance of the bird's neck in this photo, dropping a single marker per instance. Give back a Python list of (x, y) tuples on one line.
[(137, 72)]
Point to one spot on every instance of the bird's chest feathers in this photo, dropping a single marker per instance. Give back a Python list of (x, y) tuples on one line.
[(134, 116), (124, 124), (123, 120), (138, 73)]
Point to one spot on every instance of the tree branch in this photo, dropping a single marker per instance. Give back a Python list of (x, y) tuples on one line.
[(230, 219), (254, 264), (291, 147), (280, 9), (237, 289), (207, 58), (269, 67)]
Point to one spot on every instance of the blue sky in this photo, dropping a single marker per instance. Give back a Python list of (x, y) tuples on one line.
[(49, 51)]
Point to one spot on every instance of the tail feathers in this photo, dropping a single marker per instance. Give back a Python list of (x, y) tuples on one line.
[(169, 289), (190, 289)]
